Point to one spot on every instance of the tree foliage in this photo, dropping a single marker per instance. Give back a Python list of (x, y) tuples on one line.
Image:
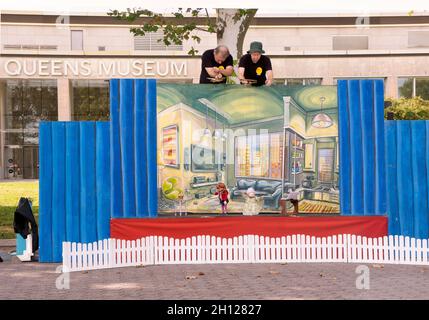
[(178, 27)]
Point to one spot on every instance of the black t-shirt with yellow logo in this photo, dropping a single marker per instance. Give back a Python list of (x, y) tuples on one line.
[(255, 71), (208, 61)]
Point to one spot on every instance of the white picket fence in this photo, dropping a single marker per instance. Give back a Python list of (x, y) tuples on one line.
[(157, 250)]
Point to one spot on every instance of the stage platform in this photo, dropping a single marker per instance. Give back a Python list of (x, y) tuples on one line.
[(231, 226)]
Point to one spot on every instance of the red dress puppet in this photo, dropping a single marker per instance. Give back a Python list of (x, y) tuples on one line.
[(222, 194)]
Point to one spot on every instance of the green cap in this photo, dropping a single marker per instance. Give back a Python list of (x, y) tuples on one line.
[(256, 46)]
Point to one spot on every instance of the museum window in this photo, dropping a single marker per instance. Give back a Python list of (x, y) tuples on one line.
[(409, 87), (90, 100), (153, 41), (27, 103), (77, 40), (299, 81)]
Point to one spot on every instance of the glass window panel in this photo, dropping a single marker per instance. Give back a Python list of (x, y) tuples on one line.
[(14, 92), (30, 123), (81, 103), (32, 97), (93, 95), (422, 88), (31, 137), (27, 103), (31, 128), (303, 81), (14, 138), (405, 87), (295, 82), (279, 81), (90, 100), (31, 163), (49, 98), (14, 163), (312, 81), (104, 101), (13, 122)]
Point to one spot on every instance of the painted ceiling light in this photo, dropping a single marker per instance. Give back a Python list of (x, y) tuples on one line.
[(207, 130), (224, 135), (322, 120), (216, 133)]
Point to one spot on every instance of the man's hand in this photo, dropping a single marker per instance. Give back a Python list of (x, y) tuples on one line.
[(216, 70), (219, 76), (268, 82)]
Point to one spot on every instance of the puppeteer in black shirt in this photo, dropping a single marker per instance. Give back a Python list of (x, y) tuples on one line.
[(208, 61), (255, 71)]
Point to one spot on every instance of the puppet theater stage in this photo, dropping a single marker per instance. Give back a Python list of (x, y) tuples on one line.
[(99, 180)]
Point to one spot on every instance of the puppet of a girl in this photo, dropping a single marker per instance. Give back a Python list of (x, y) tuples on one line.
[(222, 194)]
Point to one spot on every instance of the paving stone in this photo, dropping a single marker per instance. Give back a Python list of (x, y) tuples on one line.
[(235, 281)]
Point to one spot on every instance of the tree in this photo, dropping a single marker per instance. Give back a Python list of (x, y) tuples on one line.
[(230, 25)]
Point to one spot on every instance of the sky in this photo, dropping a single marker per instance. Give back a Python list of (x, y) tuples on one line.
[(266, 7)]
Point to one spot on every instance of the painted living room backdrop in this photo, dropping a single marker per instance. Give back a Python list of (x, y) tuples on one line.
[(273, 139)]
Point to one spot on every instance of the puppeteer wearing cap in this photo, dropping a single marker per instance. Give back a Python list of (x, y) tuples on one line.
[(255, 67)]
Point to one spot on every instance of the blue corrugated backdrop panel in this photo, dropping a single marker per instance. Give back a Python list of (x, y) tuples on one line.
[(73, 182), (88, 200), (74, 185), (380, 165), (116, 202), (126, 127), (58, 188), (392, 177), (383, 164), (344, 148), (151, 139), (407, 163), (140, 149), (91, 171), (102, 159), (45, 192), (133, 138), (362, 166)]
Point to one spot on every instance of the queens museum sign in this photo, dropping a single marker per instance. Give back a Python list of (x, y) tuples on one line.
[(92, 68)]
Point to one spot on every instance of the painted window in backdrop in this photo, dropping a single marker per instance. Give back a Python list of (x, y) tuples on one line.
[(170, 155), (259, 155)]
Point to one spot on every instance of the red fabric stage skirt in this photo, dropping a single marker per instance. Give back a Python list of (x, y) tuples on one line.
[(231, 226)]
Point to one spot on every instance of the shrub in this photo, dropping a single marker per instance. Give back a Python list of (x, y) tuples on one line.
[(408, 109)]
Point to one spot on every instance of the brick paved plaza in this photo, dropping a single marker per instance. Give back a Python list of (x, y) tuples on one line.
[(238, 281)]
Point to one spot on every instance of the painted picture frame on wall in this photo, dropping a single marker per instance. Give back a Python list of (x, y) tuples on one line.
[(170, 146)]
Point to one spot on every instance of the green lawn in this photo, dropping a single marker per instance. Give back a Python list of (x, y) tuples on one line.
[(10, 192)]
